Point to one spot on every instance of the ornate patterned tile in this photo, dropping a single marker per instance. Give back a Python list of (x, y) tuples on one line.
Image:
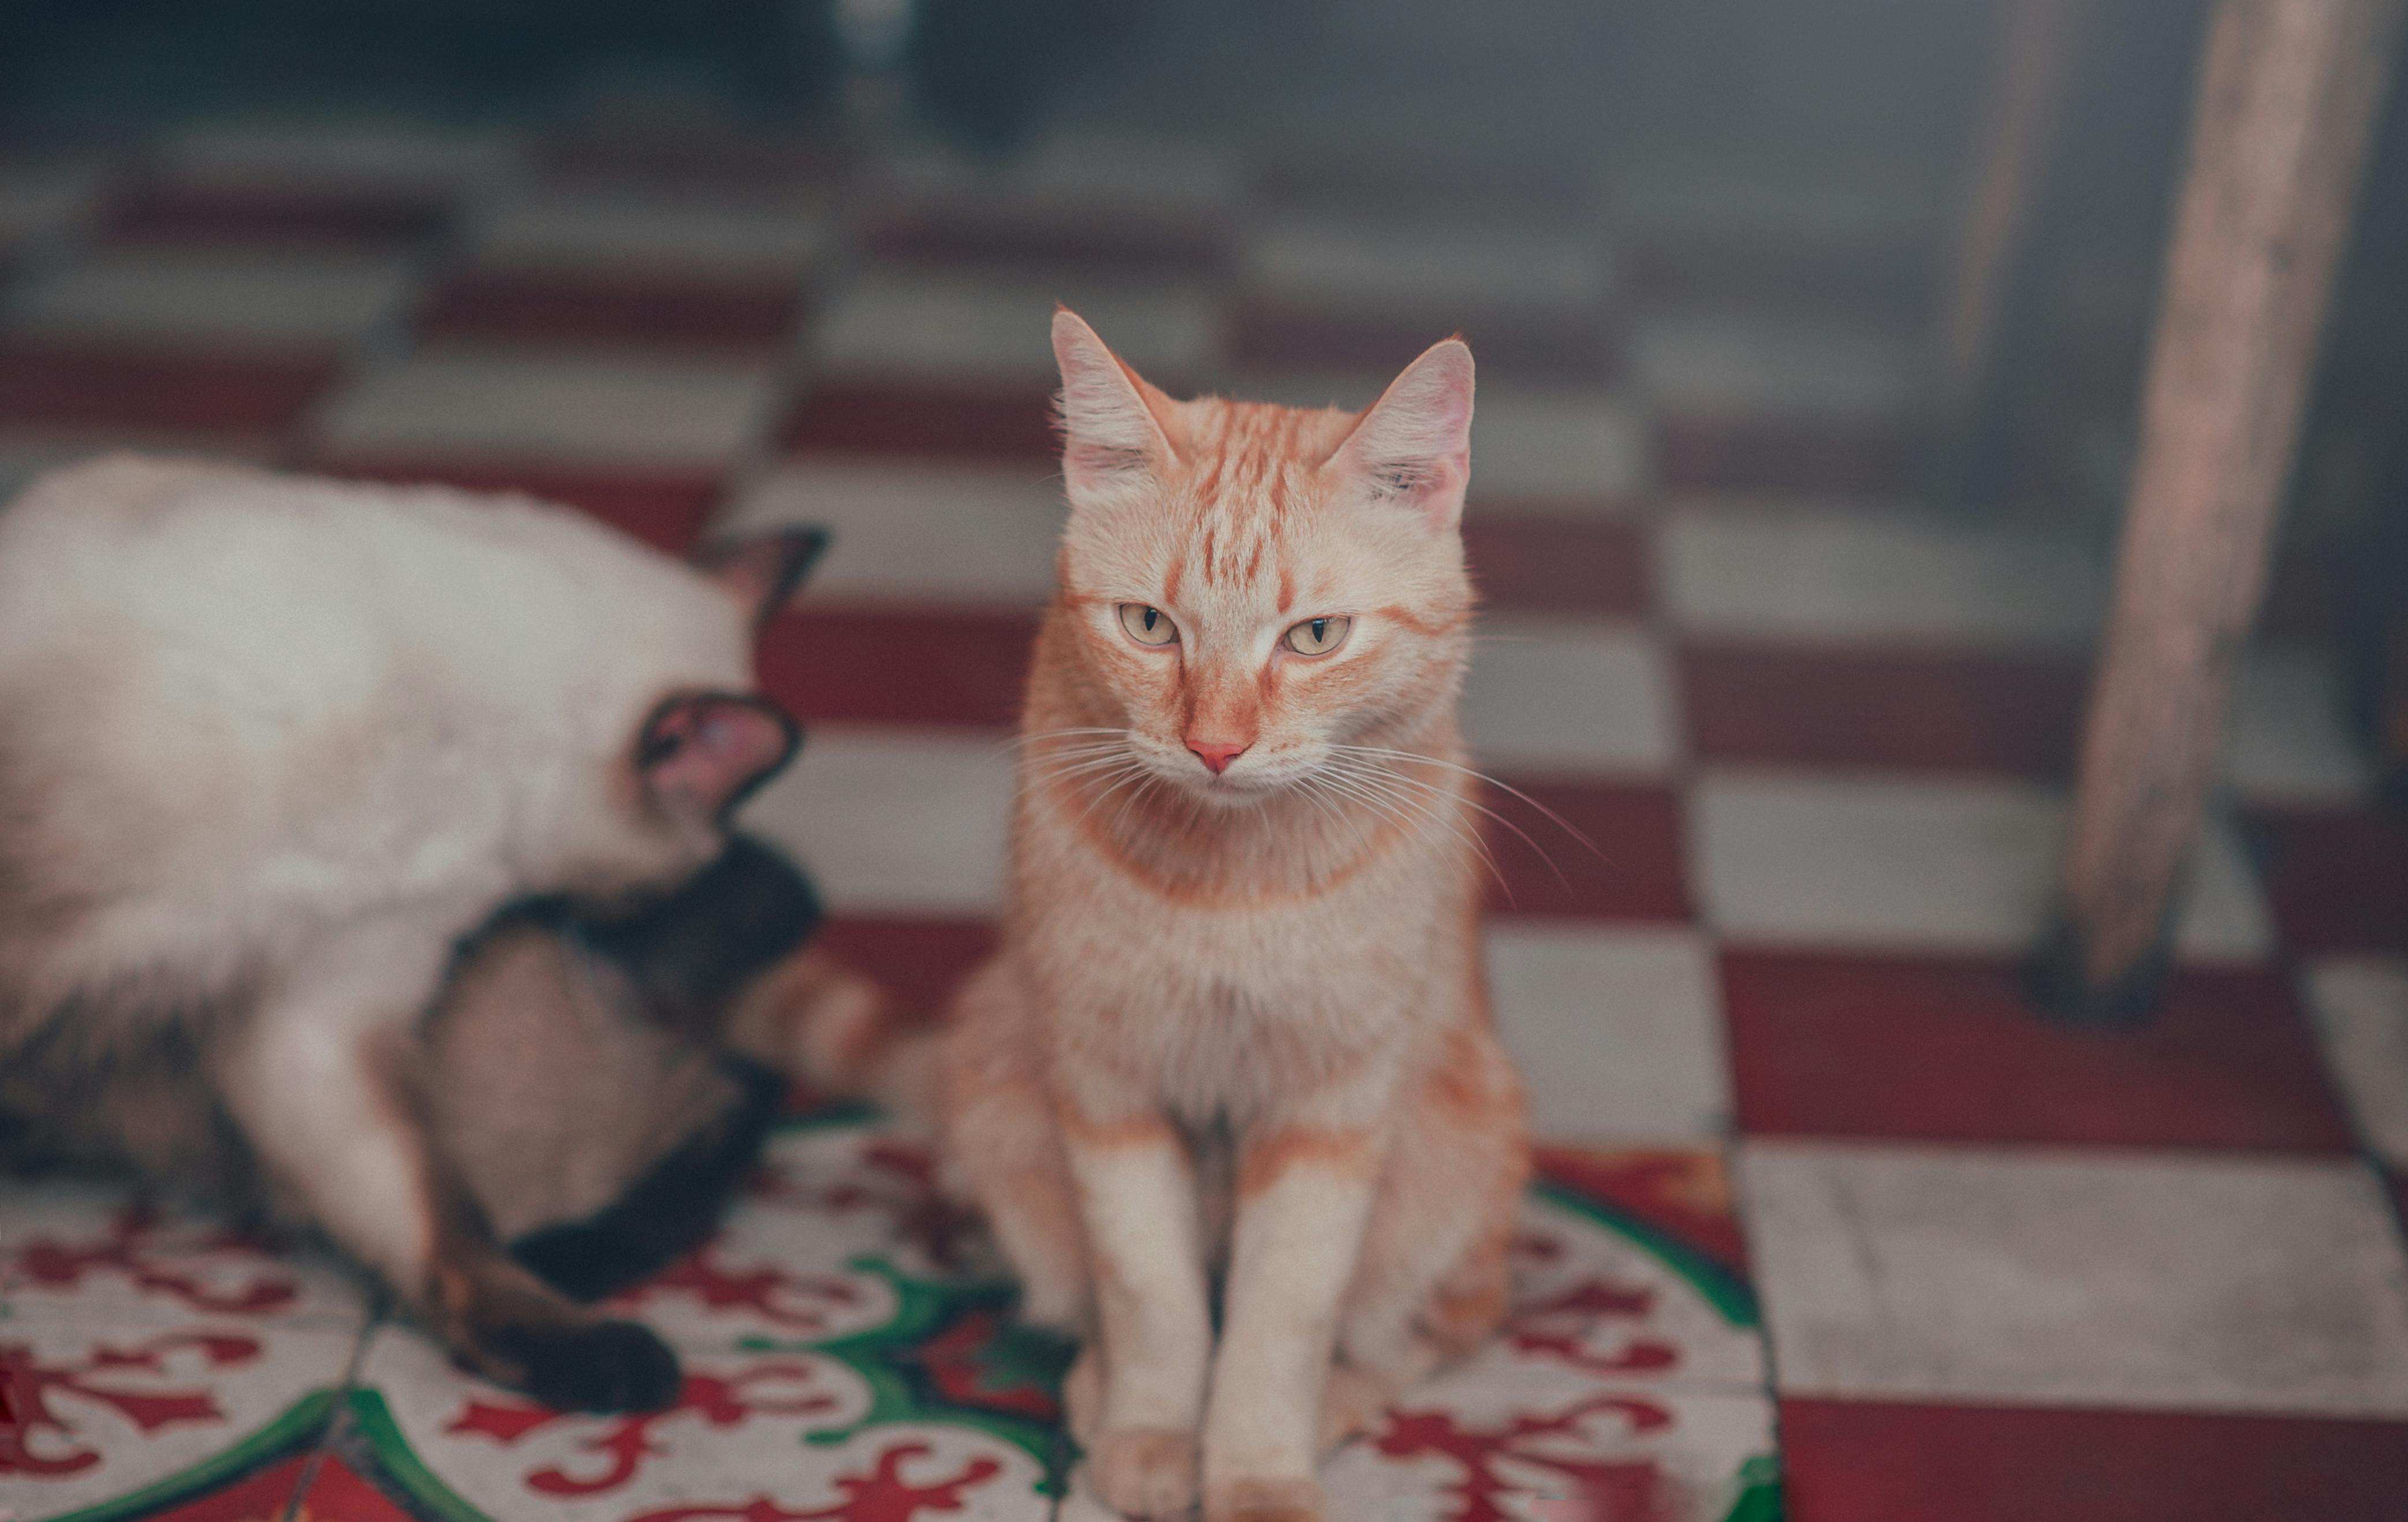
[(849, 1355)]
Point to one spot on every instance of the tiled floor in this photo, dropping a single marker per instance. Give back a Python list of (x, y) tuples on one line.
[(1818, 736)]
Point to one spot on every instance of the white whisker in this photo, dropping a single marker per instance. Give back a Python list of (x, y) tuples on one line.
[(1553, 818), (1470, 802), (1371, 783)]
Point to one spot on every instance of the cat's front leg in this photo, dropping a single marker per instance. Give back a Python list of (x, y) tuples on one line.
[(1137, 1198), (1304, 1193), (322, 1079)]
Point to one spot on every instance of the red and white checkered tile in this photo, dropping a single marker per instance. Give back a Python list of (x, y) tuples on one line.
[(1818, 736)]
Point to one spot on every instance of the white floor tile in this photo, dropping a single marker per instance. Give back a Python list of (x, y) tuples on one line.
[(1666, 198), (649, 229), (26, 452), (2099, 1278), (1618, 1031), (1749, 365), (1437, 273), (1570, 695), (257, 300), (1528, 441), (894, 822), (2361, 1006), (1086, 175), (1818, 573), (2285, 738), (44, 203), (918, 534), (478, 404), (947, 327), (1955, 865)]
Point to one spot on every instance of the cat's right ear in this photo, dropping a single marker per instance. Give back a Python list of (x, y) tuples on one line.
[(701, 754), (1116, 428), (763, 570), (1412, 447)]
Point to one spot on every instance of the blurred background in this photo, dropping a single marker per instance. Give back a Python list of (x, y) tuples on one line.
[(1792, 617)]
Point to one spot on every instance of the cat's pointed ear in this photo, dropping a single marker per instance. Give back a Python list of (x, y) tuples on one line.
[(763, 570), (702, 754), (1414, 445), (1116, 427)]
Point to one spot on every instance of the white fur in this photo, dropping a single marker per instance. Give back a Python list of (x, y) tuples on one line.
[(1291, 1256), (304, 734), (1139, 1199), (319, 701)]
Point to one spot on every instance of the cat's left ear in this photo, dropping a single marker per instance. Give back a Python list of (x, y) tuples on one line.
[(1117, 427), (702, 754), (1414, 445), (763, 570)]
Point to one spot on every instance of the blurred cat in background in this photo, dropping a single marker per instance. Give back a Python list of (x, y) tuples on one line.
[(269, 748)]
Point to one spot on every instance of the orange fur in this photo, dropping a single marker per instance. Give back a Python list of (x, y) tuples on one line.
[(1270, 1156), (1240, 1019)]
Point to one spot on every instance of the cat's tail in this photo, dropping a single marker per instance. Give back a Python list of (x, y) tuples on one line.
[(841, 1033)]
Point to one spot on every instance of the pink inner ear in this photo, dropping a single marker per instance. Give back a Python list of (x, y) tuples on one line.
[(703, 754), (1414, 445)]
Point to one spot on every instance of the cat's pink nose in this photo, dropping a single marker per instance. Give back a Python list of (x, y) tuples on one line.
[(1217, 754)]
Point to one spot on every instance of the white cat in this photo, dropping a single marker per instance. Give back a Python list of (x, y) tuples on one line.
[(268, 747)]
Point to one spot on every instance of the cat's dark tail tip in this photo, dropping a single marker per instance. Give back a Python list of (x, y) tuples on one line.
[(600, 1365)]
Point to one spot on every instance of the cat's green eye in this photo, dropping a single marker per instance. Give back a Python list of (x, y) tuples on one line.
[(1148, 625), (1318, 635)]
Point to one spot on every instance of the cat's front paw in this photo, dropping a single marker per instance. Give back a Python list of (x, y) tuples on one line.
[(1263, 1500), (1144, 1471), (593, 1365)]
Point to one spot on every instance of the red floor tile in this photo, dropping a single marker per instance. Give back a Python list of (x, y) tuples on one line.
[(898, 667), (1686, 1195), (1068, 244), (2338, 878), (1637, 871), (263, 1493), (336, 1493), (216, 214), (1699, 454), (551, 306), (952, 423), (1539, 565), (665, 511), (921, 961), (75, 384), (1945, 1050), (1574, 347), (1845, 1461), (1928, 710)]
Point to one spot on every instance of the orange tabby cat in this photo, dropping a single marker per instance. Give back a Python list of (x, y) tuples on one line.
[(1238, 1022)]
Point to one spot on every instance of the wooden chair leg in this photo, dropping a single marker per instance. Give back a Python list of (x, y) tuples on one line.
[(2286, 101), (2012, 142)]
